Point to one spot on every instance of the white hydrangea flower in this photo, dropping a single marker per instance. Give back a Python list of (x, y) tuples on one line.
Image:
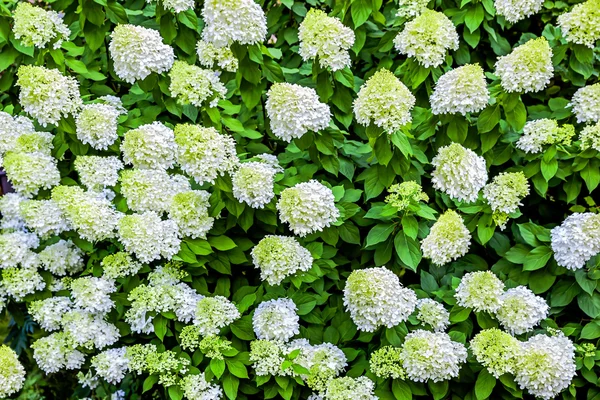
[(460, 91), (34, 26), (375, 297), (266, 357), (480, 290), (93, 294), (30, 172), (307, 207), (586, 103), (516, 10), (528, 68), (196, 387), (62, 258), (150, 146), (151, 190), (521, 310), (119, 265), (209, 55), (34, 142), (15, 249), (384, 101), (92, 215), (347, 388), (294, 110), (581, 25), (278, 257), (10, 208), (193, 85), (276, 320), (429, 356), (149, 237), (89, 330), (411, 8), (326, 38), (590, 137), (97, 124), (97, 173), (546, 366), (448, 239), (204, 153), (433, 314), (44, 217), (12, 374), (542, 132), (214, 313), (46, 94), (137, 52), (497, 351), (189, 210), (177, 6), (459, 172), (11, 128), (241, 21), (111, 365), (323, 362), (48, 313), (253, 183), (576, 240), (427, 38), (55, 352), (19, 282)]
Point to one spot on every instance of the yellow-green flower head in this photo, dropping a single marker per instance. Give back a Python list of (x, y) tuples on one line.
[(20, 282), (253, 183), (541, 132), (278, 257), (30, 172), (48, 313), (167, 365), (521, 310), (384, 101), (504, 195), (327, 38), (375, 297), (229, 21), (111, 365), (196, 387), (15, 249), (34, 142), (34, 26), (448, 239), (177, 6), (189, 338), (266, 357), (459, 172), (151, 146), (193, 85), (581, 25), (434, 314), (428, 38), (93, 216), (576, 240), (528, 68), (214, 313), (496, 350), (204, 153), (405, 194), (151, 189), (460, 91), (189, 210), (546, 366), (138, 356), (590, 137), (97, 125), (55, 352), (12, 374), (148, 236), (44, 217), (307, 207), (294, 110), (96, 172), (347, 388), (481, 291), (46, 94), (386, 363), (11, 128), (411, 8), (586, 103), (209, 55), (137, 52), (120, 265), (431, 356), (516, 10), (62, 258), (586, 349), (213, 346)]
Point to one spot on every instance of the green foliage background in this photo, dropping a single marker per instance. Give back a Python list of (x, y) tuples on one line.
[(359, 164)]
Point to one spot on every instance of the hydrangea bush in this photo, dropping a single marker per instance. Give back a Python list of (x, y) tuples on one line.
[(279, 199)]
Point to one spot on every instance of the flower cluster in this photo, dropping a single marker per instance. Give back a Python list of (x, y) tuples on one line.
[(375, 297), (521, 310), (189, 210), (448, 239), (516, 10), (347, 388), (496, 350), (481, 291), (93, 294), (34, 142), (12, 374), (20, 282), (434, 314), (97, 173), (150, 146), (411, 8), (266, 357), (253, 183), (193, 85), (460, 91), (504, 195), (151, 189), (386, 363), (278, 257), (11, 128), (528, 68), (62, 258), (44, 217), (542, 132), (581, 25), (97, 125), (241, 21), (119, 265), (322, 361), (196, 387), (30, 172), (276, 320), (405, 194), (15, 249), (427, 38), (576, 240), (55, 352), (586, 103), (10, 208), (34, 26), (326, 38), (111, 365), (214, 313), (209, 54), (294, 110), (384, 101), (148, 236), (590, 137)]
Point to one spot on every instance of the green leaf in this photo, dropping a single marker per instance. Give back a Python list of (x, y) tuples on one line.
[(488, 119), (230, 386), (160, 326), (379, 233), (484, 386), (237, 368), (222, 243), (217, 367), (175, 392), (361, 9), (591, 331), (537, 258), (401, 390), (410, 226), (474, 17), (408, 250)]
